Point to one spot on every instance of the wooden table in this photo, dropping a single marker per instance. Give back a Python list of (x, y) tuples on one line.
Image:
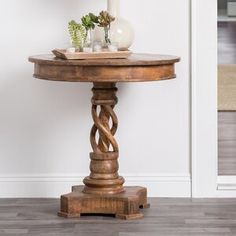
[(103, 192)]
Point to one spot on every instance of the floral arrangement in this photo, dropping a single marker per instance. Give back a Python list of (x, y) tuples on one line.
[(104, 20), (80, 32)]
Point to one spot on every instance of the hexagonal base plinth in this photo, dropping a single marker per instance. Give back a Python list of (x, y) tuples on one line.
[(124, 205)]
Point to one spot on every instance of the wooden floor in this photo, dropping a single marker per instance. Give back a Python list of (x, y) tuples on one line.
[(227, 120), (37, 217), (227, 42), (227, 143)]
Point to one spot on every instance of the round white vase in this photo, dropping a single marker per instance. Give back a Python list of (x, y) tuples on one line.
[(121, 31)]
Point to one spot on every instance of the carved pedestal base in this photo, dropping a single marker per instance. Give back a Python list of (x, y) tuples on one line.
[(103, 192), (124, 205)]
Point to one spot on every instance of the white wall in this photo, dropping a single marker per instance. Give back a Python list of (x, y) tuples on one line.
[(44, 126)]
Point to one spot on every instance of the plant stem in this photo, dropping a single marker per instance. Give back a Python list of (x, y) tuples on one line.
[(107, 39)]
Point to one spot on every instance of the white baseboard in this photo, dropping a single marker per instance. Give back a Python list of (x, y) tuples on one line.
[(52, 186), (226, 186)]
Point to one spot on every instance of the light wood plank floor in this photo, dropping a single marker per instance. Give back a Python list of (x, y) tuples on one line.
[(227, 143), (37, 217)]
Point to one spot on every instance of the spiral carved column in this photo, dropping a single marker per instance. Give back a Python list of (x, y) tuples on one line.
[(104, 178), (103, 192)]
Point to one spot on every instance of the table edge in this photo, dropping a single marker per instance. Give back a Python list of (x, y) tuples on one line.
[(61, 62)]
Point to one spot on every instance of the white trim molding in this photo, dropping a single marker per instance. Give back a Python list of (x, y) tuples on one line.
[(204, 97), (226, 182), (226, 186), (52, 186)]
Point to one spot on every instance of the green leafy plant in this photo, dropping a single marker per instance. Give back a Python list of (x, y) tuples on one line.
[(79, 31), (104, 20), (89, 21), (77, 34)]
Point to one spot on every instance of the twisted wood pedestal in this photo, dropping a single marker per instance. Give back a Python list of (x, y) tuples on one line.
[(103, 192)]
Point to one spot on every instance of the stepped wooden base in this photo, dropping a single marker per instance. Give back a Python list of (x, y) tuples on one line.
[(104, 192), (124, 205)]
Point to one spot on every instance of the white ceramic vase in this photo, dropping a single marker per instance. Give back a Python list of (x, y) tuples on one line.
[(120, 32)]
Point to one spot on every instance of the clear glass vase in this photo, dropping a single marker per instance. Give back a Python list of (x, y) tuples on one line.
[(88, 42), (107, 36)]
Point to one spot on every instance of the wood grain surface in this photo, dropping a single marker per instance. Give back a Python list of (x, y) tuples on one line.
[(226, 42), (62, 53), (136, 68), (227, 143), (103, 191), (125, 205), (135, 59), (167, 217)]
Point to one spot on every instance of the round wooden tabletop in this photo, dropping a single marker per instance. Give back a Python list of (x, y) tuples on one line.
[(136, 68)]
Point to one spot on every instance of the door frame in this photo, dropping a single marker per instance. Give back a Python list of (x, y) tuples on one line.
[(204, 98)]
